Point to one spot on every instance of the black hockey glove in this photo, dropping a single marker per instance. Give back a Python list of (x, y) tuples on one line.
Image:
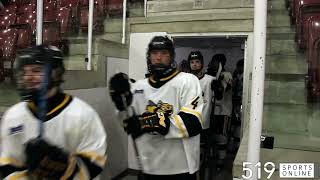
[(44, 160), (147, 122), (119, 88)]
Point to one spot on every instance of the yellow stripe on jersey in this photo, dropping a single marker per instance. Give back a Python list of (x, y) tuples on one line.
[(192, 120), (70, 169), (19, 175), (180, 125), (64, 102), (93, 156), (166, 78), (193, 112), (33, 107), (83, 172), (169, 77), (11, 161)]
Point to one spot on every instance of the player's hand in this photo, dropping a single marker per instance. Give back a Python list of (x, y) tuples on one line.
[(132, 126), (119, 88), (158, 122), (45, 161)]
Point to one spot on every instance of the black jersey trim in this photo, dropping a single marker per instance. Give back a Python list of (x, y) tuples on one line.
[(8, 169), (191, 123), (55, 108), (201, 77), (158, 83)]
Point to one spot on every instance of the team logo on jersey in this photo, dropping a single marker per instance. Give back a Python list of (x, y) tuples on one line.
[(159, 107), (17, 129)]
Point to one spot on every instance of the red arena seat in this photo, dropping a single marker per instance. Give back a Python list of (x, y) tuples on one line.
[(8, 39), (51, 34), (114, 7), (64, 19), (304, 9), (313, 58), (74, 6)]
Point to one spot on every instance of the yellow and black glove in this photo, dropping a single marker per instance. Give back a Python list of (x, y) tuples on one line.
[(157, 122), (46, 161)]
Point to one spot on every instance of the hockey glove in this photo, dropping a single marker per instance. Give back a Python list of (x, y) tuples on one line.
[(147, 122), (119, 88), (44, 160)]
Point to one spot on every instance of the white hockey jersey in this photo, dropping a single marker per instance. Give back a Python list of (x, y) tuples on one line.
[(75, 127), (207, 93), (179, 150)]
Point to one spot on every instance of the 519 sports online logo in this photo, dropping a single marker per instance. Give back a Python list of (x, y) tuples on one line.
[(285, 170)]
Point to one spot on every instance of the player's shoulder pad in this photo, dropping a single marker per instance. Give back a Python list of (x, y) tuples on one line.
[(187, 77), (78, 104), (16, 110), (15, 114)]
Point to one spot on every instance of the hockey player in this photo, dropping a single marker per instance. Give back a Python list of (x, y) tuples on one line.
[(222, 87), (72, 144), (168, 118), (195, 60)]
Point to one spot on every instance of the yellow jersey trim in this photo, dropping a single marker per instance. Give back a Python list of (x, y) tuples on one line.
[(179, 123), (64, 102), (18, 175), (193, 112), (12, 161), (165, 78), (93, 156)]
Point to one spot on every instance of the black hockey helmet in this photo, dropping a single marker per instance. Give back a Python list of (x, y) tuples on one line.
[(195, 55), (41, 55), (160, 43)]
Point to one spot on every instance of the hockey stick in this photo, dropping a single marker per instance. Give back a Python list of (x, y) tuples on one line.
[(135, 147)]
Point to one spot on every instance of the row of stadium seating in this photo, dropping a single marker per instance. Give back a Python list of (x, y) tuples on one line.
[(61, 18), (305, 15)]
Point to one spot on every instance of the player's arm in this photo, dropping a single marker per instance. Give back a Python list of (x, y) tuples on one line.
[(47, 161), (91, 152), (10, 164), (188, 121)]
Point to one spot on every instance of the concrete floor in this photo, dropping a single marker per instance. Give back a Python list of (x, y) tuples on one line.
[(224, 173)]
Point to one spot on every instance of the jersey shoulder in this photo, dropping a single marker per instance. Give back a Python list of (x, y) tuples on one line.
[(209, 77), (78, 104), (15, 113), (182, 76), (17, 109)]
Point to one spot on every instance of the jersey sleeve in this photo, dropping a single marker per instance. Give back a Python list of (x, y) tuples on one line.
[(11, 157), (92, 147), (188, 121)]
